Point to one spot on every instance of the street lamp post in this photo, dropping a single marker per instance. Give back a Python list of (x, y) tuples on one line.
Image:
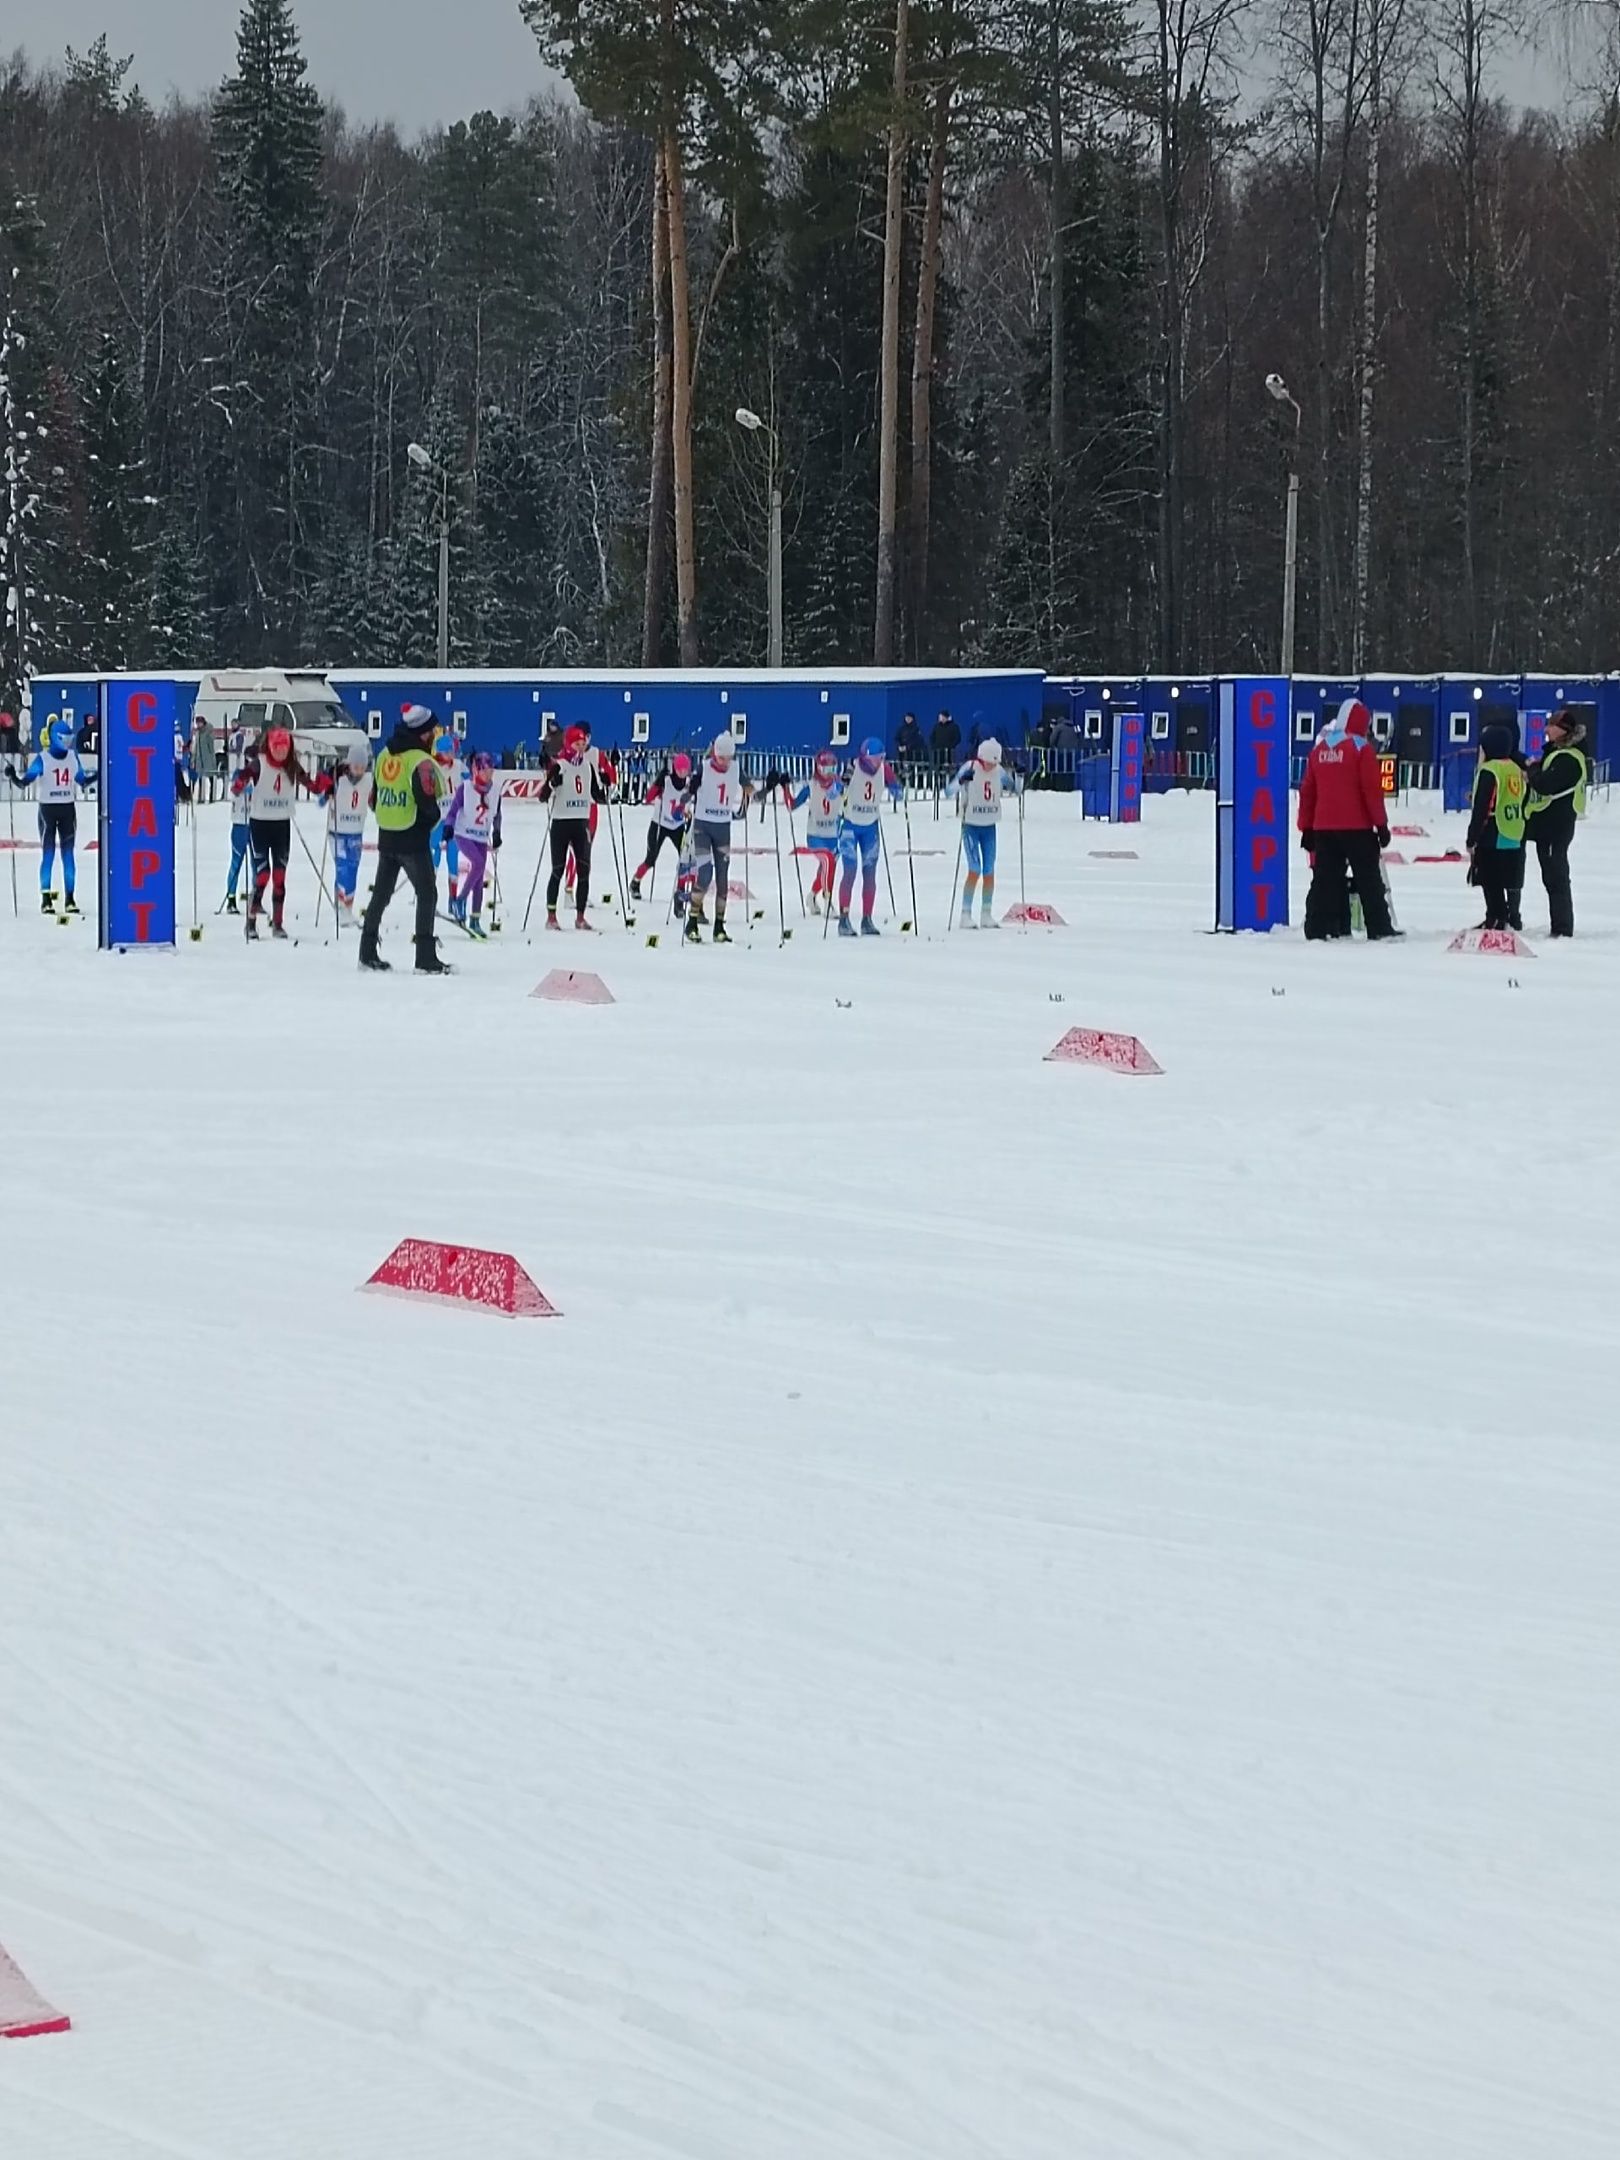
[(424, 461), (755, 425), (1278, 389)]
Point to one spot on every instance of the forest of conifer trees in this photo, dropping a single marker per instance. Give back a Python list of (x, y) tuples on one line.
[(1005, 278)]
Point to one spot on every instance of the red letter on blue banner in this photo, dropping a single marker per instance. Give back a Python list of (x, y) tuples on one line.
[(137, 813)]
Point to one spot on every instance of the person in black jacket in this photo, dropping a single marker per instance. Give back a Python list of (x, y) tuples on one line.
[(406, 770), (910, 751), (945, 742), (1557, 797)]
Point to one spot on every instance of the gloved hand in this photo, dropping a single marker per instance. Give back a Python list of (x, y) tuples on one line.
[(1383, 836), (1307, 841)]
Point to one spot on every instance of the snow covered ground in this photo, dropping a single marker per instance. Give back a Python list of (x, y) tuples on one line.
[(1022, 1614)]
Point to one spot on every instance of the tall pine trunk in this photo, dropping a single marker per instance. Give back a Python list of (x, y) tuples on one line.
[(680, 298), (661, 482), (922, 363), (1058, 326), (1368, 364), (888, 547)]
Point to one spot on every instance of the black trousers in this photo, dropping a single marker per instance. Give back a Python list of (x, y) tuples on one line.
[(1356, 855), (271, 842), (415, 863), (570, 836), (657, 835), (1553, 856), (1500, 876)]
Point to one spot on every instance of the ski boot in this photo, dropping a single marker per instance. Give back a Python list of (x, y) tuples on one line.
[(475, 928), (551, 919), (987, 921), (47, 903), (965, 920), (70, 906), (373, 962), (845, 927), (250, 929), (635, 888), (722, 936), (428, 961), (231, 907), (693, 933), (458, 911), (869, 928), (580, 922)]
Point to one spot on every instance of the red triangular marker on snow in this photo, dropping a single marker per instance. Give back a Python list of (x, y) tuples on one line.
[(1034, 911), (1409, 832), (1095, 1046), (1394, 855), (462, 1275), (1507, 943), (24, 2012), (568, 986)]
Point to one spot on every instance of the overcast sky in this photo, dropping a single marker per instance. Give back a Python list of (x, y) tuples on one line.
[(421, 63)]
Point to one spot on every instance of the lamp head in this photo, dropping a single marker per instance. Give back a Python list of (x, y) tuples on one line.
[(1277, 388), (749, 420), (419, 457)]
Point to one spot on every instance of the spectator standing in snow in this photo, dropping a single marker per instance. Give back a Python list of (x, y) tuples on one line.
[(1496, 827), (1557, 798), (1342, 826), (945, 742), (407, 801)]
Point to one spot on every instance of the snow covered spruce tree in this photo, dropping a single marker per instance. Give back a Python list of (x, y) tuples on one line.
[(115, 560), (36, 607), (267, 121)]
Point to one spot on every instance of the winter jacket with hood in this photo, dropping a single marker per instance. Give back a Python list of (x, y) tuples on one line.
[(1343, 789)]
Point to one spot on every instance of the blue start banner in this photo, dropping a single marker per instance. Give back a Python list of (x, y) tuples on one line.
[(1125, 777), (137, 813), (1252, 804)]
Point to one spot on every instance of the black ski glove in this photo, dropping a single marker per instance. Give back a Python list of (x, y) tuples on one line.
[(1383, 836)]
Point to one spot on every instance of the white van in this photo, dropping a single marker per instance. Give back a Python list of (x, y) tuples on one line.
[(241, 702)]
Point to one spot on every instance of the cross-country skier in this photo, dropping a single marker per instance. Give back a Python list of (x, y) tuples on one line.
[(269, 779), (607, 773), (980, 784), (669, 799), (242, 742), (860, 836), (57, 776), (824, 792), (443, 842), (473, 822), (351, 799), (573, 785), (721, 799)]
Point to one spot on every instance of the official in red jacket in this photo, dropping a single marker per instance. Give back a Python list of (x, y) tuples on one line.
[(1342, 826)]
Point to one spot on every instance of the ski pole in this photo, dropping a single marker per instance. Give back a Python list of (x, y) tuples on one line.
[(624, 856), (540, 861), (888, 867), (781, 888), (911, 864), (837, 866), (196, 911), (793, 842), (320, 874), (956, 878), (1023, 901), (11, 820)]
